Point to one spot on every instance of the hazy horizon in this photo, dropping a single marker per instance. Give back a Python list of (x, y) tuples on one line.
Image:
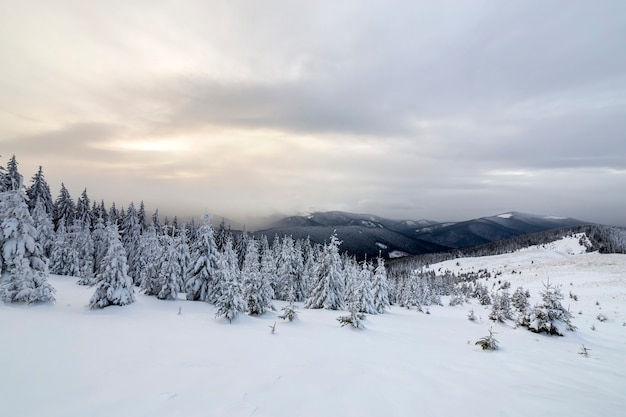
[(443, 111)]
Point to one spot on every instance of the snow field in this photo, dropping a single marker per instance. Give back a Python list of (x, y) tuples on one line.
[(145, 359)]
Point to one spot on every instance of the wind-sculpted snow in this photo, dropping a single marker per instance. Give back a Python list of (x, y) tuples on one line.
[(175, 358)]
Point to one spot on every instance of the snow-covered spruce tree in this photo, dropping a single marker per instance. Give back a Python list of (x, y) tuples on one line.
[(63, 256), (501, 307), (183, 256), (39, 190), (381, 287), (64, 209), (83, 209), (169, 271), (12, 179), (131, 236), (80, 237), (241, 245), (364, 296), (114, 286), (257, 291), (151, 253), (351, 272), (100, 238), (24, 268), (202, 264), (328, 289), (285, 273), (113, 216), (230, 298), (549, 316), (142, 217), (268, 264), (45, 227), (519, 300)]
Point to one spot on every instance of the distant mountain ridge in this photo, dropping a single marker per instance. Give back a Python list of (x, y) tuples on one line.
[(368, 235)]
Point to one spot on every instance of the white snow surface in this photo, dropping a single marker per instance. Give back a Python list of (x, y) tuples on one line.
[(146, 360), (505, 215)]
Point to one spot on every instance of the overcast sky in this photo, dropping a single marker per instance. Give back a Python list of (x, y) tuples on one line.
[(445, 110)]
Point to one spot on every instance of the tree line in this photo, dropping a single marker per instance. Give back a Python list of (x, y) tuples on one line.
[(121, 251)]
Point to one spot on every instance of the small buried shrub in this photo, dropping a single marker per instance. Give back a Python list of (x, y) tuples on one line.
[(488, 342)]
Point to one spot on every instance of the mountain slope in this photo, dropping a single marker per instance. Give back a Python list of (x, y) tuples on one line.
[(146, 359), (368, 234)]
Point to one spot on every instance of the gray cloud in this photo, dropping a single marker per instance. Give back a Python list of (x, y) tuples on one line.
[(419, 109)]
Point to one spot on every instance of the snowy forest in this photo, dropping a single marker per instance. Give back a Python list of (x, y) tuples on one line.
[(121, 251)]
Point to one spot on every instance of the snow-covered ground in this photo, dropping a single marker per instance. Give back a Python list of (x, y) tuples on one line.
[(145, 359)]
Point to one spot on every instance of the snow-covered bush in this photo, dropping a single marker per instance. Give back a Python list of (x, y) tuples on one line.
[(488, 342)]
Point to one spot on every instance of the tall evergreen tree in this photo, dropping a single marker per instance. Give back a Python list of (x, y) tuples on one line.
[(364, 294), (156, 223), (24, 268), (114, 215), (151, 253), (203, 264), (169, 271), (81, 240), (100, 244), (39, 190), (83, 209), (45, 227), (12, 179), (229, 298), (64, 209), (63, 256), (257, 291), (114, 286), (131, 237), (142, 217), (328, 290), (381, 287), (183, 255)]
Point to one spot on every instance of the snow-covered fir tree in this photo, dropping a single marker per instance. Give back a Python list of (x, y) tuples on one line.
[(549, 316), (40, 190), (501, 307), (202, 264), (100, 238), (364, 297), (381, 287), (183, 256), (520, 303), (229, 297), (328, 290), (131, 236), (169, 270), (114, 286), (114, 215), (63, 256), (45, 227), (23, 265), (64, 208), (285, 268), (150, 255), (80, 237), (12, 179), (257, 291), (241, 245), (83, 209), (142, 217)]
